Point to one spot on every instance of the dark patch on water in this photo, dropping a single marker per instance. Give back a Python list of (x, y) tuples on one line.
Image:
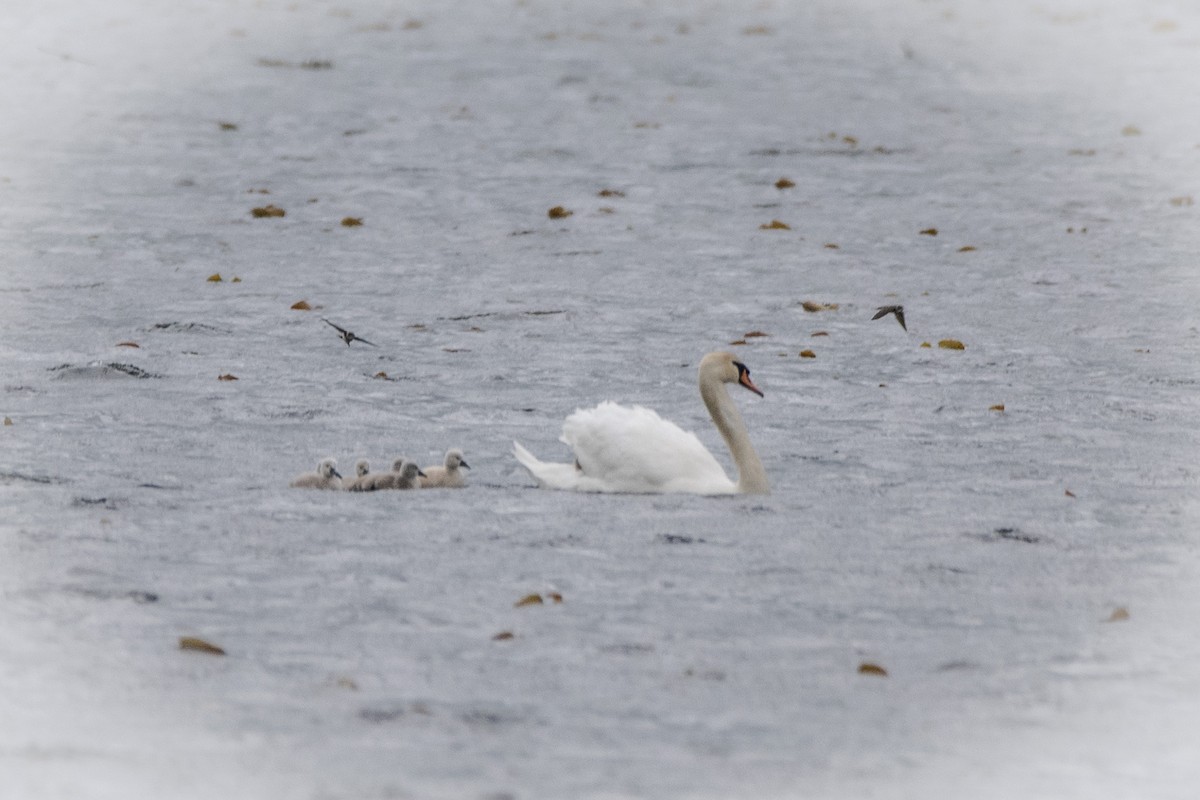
[(1015, 535), (675, 538), (628, 648), (102, 502), (380, 715), (98, 370), (10, 477), (180, 327)]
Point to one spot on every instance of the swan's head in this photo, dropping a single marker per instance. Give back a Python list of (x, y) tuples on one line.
[(362, 467), (725, 367), (328, 469), (410, 471), (454, 460)]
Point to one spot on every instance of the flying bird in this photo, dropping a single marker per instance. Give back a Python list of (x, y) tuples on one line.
[(348, 336), (883, 311)]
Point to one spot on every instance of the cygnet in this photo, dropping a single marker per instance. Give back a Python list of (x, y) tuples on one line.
[(449, 475), (361, 469), (326, 477)]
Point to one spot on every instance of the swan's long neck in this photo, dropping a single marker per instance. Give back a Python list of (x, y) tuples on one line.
[(752, 478)]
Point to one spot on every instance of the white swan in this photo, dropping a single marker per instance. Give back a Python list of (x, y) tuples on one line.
[(620, 449), (326, 477), (404, 475), (449, 475), (362, 468)]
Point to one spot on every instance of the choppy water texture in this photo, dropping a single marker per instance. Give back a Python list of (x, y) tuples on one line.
[(703, 648)]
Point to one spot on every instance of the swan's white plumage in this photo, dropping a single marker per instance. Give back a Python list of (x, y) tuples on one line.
[(632, 449)]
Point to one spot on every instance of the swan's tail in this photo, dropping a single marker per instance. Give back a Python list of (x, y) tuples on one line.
[(527, 459), (553, 476)]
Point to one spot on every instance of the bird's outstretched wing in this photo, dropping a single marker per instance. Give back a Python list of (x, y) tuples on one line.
[(348, 336), (883, 311)]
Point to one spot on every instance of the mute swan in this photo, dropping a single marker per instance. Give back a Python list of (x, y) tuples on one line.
[(362, 468), (620, 449), (449, 475), (326, 477), (404, 475)]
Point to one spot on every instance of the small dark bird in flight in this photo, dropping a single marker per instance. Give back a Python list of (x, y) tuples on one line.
[(348, 336), (883, 311)]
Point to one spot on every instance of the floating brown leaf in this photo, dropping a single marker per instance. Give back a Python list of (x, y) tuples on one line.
[(610, 193), (301, 305), (236, 279), (199, 645), (382, 375), (775, 225), (1119, 614), (556, 597), (757, 30), (128, 344), (867, 668), (810, 306), (1183, 200), (347, 683), (819, 333), (267, 211), (738, 342), (227, 126), (8, 421), (967, 248), (997, 407), (503, 636), (930, 232), (529, 600), (784, 183), (755, 334), (351, 222), (214, 278), (951, 344), (558, 212), (1069, 493), (807, 354), (227, 377), (1131, 130), (851, 140), (926, 344), (832, 246)]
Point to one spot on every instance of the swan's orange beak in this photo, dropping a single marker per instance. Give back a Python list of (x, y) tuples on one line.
[(744, 380)]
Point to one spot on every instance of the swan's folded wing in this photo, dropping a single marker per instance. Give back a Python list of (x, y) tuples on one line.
[(636, 450)]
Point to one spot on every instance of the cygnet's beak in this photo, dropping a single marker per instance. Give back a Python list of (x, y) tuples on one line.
[(422, 474), (744, 380), (336, 473), (464, 464)]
